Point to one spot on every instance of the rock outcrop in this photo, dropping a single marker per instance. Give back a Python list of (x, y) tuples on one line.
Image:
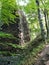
[(19, 29)]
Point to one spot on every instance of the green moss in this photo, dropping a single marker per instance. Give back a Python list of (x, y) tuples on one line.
[(13, 45), (6, 35), (5, 53)]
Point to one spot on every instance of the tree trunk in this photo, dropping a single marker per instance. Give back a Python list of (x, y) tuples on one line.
[(46, 20), (40, 21)]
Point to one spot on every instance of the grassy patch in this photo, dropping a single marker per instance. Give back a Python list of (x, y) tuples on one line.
[(6, 35)]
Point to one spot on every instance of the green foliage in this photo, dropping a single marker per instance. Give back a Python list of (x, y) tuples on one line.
[(7, 10), (6, 35), (31, 10), (13, 45)]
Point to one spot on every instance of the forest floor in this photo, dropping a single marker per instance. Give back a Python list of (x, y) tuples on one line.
[(27, 55), (43, 57)]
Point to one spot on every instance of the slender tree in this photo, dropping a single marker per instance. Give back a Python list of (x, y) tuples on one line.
[(46, 20), (45, 11), (40, 20)]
